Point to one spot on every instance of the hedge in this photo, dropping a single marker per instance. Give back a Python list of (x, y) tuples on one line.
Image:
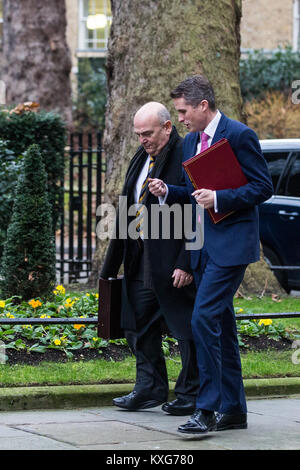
[(19, 131)]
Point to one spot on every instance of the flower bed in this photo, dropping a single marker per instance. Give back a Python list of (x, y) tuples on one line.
[(58, 342), (263, 327), (41, 338)]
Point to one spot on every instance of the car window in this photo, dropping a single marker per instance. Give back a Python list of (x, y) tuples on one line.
[(276, 163), (292, 185)]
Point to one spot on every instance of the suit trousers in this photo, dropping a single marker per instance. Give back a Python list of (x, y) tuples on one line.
[(146, 344), (215, 335)]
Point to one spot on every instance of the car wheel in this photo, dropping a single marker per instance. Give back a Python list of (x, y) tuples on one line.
[(273, 260)]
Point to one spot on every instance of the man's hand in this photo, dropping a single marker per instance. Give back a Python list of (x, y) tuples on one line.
[(204, 197), (181, 278), (157, 187)]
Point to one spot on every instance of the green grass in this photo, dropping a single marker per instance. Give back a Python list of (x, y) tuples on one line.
[(70, 372), (268, 364), (255, 365)]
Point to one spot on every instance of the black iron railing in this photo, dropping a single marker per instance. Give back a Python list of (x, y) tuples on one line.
[(97, 320), (82, 192)]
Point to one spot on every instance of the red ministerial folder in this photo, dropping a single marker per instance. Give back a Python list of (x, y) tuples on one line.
[(216, 168)]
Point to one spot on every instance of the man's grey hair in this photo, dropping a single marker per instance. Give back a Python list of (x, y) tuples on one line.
[(163, 115)]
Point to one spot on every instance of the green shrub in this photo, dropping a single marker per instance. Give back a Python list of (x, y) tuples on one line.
[(276, 71), (9, 171), (48, 131), (28, 261)]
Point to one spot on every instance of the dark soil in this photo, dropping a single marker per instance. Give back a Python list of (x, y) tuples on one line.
[(118, 352), (263, 342)]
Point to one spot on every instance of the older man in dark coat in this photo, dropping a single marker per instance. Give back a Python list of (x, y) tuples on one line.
[(158, 286)]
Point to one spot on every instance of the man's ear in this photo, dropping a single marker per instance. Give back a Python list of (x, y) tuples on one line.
[(168, 127), (204, 105)]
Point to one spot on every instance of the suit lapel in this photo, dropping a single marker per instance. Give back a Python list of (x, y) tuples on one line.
[(221, 129), (134, 172), (191, 147)]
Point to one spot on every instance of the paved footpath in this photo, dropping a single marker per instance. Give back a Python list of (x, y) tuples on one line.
[(272, 424)]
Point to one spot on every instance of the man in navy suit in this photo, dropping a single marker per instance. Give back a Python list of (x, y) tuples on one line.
[(229, 246)]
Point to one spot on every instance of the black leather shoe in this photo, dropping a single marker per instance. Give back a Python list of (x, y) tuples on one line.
[(134, 401), (199, 422), (179, 407), (228, 421)]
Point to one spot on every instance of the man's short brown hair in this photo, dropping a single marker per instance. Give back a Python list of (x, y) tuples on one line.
[(195, 89)]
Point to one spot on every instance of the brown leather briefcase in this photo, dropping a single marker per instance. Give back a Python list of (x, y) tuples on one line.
[(109, 308)]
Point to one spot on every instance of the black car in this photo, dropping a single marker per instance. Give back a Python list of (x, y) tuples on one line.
[(280, 215)]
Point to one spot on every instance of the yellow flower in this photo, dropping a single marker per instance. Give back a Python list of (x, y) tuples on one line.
[(265, 322), (69, 303), (34, 303), (27, 326), (95, 339), (77, 327), (61, 289), (57, 342), (2, 303), (45, 316), (240, 310), (87, 294), (9, 315)]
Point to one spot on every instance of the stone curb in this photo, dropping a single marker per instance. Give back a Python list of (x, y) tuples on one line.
[(73, 396)]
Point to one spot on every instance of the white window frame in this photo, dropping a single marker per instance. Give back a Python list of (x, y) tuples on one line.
[(1, 22), (82, 20), (296, 25)]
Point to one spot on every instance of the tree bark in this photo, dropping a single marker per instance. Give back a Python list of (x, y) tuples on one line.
[(153, 46), (37, 61)]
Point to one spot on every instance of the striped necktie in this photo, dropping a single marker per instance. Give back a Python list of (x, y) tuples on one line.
[(139, 212)]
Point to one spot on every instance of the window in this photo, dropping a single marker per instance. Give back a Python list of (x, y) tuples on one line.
[(276, 163), (296, 25), (293, 180), (94, 24), (1, 23)]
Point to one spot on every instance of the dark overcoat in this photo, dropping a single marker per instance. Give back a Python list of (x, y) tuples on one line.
[(161, 255)]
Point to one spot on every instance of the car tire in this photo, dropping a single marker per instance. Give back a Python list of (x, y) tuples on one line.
[(273, 260)]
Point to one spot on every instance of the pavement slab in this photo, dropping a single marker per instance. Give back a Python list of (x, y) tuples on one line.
[(273, 424)]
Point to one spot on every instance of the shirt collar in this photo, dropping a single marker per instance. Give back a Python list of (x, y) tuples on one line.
[(212, 126)]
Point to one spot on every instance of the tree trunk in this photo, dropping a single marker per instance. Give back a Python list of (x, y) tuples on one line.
[(36, 56), (153, 46)]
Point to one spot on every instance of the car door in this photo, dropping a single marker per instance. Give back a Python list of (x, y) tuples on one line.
[(280, 219), (289, 213)]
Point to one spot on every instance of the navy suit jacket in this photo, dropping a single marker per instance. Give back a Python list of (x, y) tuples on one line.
[(234, 240)]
